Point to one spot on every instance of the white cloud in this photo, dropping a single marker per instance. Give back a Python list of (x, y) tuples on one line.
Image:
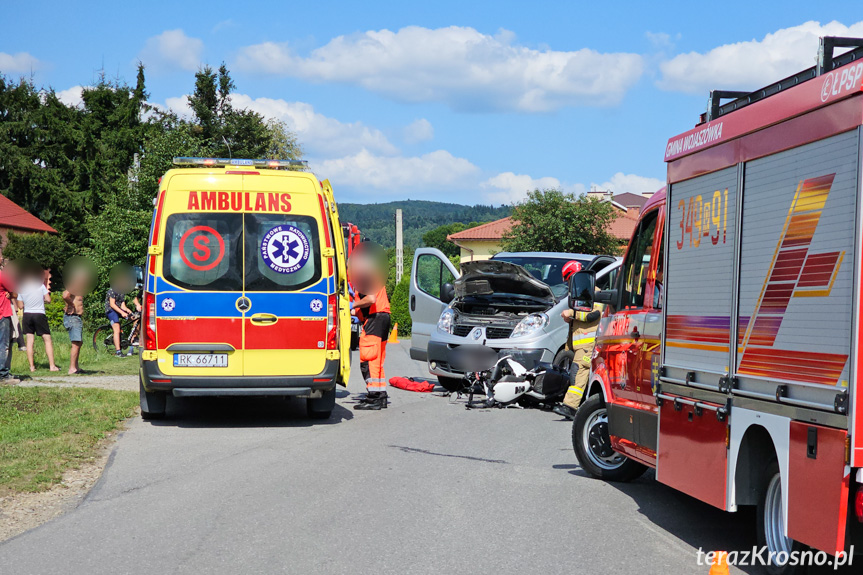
[(621, 183), (508, 187), (20, 63), (172, 49), (459, 66), (71, 96), (180, 106), (419, 130), (752, 64), (318, 134), (437, 171)]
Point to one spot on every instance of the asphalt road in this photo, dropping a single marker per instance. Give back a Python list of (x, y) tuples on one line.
[(252, 486)]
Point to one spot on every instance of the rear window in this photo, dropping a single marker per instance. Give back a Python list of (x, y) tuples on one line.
[(203, 251), (282, 252)]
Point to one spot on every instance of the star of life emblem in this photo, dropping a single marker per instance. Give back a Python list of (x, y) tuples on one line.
[(316, 305), (285, 249)]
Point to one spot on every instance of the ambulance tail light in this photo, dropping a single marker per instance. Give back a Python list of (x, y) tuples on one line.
[(858, 504), (332, 322), (149, 321)]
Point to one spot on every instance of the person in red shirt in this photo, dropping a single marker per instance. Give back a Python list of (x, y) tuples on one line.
[(7, 288), (373, 347)]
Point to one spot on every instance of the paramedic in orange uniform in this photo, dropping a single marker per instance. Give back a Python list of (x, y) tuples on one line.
[(373, 347)]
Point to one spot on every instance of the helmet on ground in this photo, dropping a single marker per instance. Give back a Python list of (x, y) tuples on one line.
[(569, 268)]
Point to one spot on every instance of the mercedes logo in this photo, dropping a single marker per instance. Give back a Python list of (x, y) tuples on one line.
[(244, 304)]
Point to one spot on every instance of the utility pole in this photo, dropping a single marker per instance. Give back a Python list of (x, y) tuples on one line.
[(400, 268)]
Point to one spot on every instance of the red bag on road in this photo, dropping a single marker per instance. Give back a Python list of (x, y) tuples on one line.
[(410, 384)]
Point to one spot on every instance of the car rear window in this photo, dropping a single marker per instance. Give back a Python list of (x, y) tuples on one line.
[(203, 251), (282, 252)]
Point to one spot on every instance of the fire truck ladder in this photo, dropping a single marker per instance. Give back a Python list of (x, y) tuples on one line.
[(826, 63)]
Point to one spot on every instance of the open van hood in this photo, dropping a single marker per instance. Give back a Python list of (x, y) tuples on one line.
[(490, 277)]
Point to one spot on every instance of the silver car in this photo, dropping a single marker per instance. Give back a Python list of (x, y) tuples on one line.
[(511, 303)]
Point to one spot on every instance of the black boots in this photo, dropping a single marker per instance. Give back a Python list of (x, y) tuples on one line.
[(564, 410), (375, 401)]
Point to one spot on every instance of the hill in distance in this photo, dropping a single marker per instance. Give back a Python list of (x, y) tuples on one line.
[(377, 221)]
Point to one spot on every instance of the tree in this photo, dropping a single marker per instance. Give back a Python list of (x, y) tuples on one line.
[(49, 251), (225, 131), (283, 144), (117, 235), (553, 221)]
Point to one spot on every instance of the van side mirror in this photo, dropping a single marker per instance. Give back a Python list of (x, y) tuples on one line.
[(447, 292), (581, 288)]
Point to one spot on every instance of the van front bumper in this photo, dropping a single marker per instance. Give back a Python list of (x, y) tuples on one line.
[(312, 386), (440, 357)]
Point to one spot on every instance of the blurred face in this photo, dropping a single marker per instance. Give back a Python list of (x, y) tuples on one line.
[(122, 278), (367, 268), (79, 276)]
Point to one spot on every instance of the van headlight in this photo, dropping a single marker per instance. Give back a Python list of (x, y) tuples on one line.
[(529, 325), (446, 321)]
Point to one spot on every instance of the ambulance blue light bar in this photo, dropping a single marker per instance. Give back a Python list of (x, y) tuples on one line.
[(224, 162)]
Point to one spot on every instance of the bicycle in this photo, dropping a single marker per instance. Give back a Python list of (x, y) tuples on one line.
[(103, 337)]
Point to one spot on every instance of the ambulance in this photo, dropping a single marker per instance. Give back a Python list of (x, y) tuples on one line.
[(246, 288), (730, 356)]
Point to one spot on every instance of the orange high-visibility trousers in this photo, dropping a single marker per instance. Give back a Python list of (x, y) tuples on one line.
[(373, 351)]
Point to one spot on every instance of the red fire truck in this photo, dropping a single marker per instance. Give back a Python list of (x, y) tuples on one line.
[(730, 355), (352, 237)]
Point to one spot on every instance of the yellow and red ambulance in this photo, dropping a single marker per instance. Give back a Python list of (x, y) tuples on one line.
[(246, 286)]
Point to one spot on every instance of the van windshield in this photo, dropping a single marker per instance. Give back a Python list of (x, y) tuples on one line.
[(545, 269)]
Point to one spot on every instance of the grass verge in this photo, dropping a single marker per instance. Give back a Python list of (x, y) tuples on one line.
[(45, 431), (91, 361)]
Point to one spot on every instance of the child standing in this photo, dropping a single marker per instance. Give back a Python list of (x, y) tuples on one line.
[(32, 297)]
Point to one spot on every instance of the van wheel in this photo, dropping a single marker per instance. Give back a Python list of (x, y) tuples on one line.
[(593, 447), (153, 403), (322, 407), (771, 525), (563, 360)]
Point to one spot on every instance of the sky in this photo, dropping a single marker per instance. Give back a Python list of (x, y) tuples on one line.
[(466, 102)]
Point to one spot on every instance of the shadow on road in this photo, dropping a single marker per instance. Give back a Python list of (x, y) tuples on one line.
[(695, 523), (227, 412)]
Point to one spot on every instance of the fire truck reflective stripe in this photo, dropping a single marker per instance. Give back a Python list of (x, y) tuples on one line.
[(702, 346), (822, 368)]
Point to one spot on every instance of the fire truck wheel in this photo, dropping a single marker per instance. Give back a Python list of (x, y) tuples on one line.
[(771, 525), (593, 447)]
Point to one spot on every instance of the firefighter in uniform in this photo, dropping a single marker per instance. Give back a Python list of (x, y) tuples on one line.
[(375, 310), (580, 341)]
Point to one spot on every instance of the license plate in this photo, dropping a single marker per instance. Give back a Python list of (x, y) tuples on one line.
[(200, 360)]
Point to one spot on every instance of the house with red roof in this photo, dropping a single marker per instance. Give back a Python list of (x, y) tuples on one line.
[(481, 242), (14, 218)]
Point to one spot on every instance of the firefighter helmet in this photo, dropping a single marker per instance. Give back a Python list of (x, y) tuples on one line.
[(569, 268)]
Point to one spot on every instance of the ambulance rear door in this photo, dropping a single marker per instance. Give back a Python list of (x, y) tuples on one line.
[(198, 281), (285, 282), (344, 309)]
